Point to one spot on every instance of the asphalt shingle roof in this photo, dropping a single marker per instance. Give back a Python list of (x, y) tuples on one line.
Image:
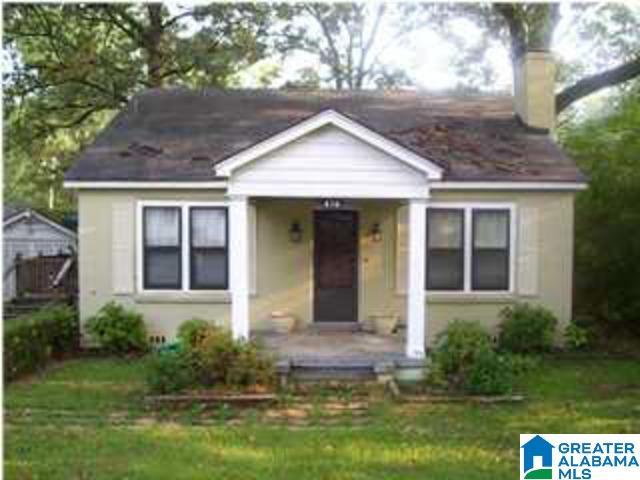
[(179, 134)]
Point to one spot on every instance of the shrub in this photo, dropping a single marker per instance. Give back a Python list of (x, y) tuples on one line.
[(251, 367), (29, 342), (456, 350), (170, 372), (526, 329), (490, 374), (218, 359), (575, 337), (193, 331), (118, 330)]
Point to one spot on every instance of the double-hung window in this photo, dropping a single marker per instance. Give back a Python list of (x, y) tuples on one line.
[(445, 249), (208, 252), (184, 247), (469, 248), (490, 253), (162, 248)]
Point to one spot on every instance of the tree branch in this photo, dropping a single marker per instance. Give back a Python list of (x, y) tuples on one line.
[(586, 86)]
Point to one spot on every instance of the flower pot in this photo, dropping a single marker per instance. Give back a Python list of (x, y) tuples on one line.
[(384, 324), (282, 322)]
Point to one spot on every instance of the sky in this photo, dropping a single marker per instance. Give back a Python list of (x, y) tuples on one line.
[(428, 56)]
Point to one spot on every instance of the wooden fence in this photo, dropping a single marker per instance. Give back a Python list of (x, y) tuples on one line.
[(46, 276)]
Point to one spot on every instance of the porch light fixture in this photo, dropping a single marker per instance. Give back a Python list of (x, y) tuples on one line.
[(295, 232), (376, 232)]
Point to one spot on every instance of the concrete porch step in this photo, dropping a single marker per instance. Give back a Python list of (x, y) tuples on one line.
[(350, 369)]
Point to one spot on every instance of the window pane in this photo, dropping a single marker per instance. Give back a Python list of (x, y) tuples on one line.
[(162, 226), (491, 229), (162, 268), (445, 228), (490, 270), (208, 268), (208, 227), (445, 270)]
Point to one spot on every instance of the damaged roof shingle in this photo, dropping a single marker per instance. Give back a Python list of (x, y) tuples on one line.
[(179, 134)]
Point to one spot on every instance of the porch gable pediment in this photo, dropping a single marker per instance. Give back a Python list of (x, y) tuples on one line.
[(329, 155)]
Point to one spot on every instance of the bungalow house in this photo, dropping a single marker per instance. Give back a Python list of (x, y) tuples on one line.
[(335, 207)]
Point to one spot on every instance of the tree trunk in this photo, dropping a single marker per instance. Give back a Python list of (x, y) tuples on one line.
[(152, 44)]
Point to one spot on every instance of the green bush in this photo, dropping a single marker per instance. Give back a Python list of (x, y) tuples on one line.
[(490, 374), (607, 218), (118, 330), (527, 329), (251, 367), (576, 337), (455, 352), (170, 372), (29, 342), (219, 359), (193, 331)]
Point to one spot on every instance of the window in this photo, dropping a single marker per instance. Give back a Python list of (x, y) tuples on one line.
[(162, 249), (445, 249), (208, 248), (469, 247), (191, 258), (490, 256)]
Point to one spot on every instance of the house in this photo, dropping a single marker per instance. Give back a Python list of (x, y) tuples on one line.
[(335, 207), (27, 233), (537, 447)]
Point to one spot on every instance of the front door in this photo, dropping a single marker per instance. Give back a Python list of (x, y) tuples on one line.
[(336, 266)]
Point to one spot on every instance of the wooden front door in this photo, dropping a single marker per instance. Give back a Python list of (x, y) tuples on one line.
[(336, 266)]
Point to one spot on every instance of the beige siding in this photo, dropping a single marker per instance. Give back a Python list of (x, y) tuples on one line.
[(163, 313), (285, 269)]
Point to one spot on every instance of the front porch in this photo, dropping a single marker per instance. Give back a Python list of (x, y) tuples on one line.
[(338, 188)]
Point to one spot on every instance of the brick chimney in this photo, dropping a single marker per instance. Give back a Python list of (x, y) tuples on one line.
[(534, 89)]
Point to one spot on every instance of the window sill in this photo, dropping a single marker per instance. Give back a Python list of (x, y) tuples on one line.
[(221, 296), (471, 297)]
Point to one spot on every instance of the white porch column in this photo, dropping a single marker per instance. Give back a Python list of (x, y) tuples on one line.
[(239, 266), (416, 270)]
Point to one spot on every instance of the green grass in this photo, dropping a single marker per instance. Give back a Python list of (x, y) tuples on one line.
[(86, 419)]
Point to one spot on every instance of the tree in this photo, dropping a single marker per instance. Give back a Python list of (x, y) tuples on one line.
[(607, 273), (73, 65), (348, 40), (612, 28)]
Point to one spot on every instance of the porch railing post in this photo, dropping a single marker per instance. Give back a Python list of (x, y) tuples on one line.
[(416, 271), (239, 266)]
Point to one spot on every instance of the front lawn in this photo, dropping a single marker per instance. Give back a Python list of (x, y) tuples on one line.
[(86, 419)]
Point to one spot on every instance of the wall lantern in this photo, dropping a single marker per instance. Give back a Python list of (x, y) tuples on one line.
[(376, 232), (295, 232)]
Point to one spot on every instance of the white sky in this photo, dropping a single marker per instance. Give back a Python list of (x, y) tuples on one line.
[(427, 56)]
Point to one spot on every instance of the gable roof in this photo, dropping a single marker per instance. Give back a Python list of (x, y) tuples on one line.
[(340, 121), (13, 214), (181, 135)]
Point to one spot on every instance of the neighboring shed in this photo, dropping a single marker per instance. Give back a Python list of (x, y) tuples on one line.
[(29, 233)]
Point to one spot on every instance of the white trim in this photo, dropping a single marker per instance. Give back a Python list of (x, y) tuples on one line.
[(123, 185), (336, 191), (496, 185), (29, 212), (416, 279), (329, 117), (468, 208), (184, 244), (239, 266)]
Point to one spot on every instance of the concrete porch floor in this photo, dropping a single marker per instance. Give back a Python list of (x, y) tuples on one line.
[(334, 348)]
